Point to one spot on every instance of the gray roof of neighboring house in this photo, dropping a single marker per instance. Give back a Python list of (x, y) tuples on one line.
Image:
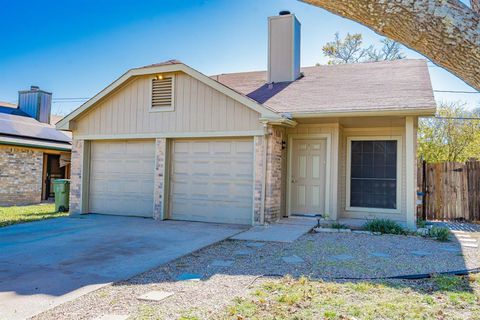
[(401, 85), (19, 126)]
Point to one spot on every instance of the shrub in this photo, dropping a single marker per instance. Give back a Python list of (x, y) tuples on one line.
[(421, 223), (440, 233), (384, 226), (337, 225)]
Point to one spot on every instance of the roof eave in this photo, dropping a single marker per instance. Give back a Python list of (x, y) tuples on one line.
[(366, 113), (284, 122)]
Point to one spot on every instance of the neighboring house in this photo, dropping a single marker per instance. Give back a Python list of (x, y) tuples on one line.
[(32, 152), (166, 141)]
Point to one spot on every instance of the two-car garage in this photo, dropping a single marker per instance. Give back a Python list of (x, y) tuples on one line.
[(208, 180)]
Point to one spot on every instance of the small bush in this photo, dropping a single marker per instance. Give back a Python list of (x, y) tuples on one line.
[(421, 223), (384, 226), (440, 233), (337, 225)]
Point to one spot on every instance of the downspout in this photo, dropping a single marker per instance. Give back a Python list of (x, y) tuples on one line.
[(264, 173)]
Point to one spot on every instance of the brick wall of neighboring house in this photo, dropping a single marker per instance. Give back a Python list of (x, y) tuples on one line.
[(160, 153), (76, 166), (20, 175), (274, 191)]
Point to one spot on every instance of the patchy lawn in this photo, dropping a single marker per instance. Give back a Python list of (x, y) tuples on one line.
[(287, 298), (14, 214)]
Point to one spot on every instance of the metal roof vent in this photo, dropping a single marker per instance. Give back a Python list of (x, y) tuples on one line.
[(284, 13)]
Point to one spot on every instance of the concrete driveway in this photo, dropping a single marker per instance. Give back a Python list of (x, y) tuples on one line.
[(43, 264)]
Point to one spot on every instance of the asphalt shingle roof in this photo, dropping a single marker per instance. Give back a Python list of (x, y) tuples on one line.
[(401, 85)]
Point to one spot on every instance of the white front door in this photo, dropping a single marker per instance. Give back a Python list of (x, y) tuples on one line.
[(308, 174)]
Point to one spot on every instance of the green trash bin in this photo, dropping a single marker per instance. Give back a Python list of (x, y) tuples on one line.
[(61, 188)]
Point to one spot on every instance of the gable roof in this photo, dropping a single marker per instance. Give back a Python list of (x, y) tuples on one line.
[(400, 86), (164, 67)]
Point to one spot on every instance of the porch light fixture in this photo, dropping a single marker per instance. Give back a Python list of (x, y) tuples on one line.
[(159, 77)]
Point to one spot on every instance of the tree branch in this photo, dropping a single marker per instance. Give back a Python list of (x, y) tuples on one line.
[(446, 32)]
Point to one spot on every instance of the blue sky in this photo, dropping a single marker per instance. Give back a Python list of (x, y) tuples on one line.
[(76, 48)]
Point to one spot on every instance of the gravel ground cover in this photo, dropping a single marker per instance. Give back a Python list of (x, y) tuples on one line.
[(324, 255)]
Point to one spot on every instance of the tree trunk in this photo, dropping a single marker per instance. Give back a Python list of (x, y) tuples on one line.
[(475, 5), (445, 31)]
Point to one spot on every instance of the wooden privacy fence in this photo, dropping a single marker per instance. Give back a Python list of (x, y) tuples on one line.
[(451, 189)]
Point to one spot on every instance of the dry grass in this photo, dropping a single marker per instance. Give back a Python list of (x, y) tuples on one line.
[(14, 214), (288, 298)]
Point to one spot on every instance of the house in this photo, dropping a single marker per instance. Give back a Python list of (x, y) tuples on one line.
[(32, 152), (166, 141)]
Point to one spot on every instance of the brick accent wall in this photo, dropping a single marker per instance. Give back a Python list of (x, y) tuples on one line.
[(20, 175), (76, 176), (258, 145), (274, 205), (159, 179), (274, 191)]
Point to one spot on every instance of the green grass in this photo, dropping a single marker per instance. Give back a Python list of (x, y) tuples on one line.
[(14, 215), (443, 297), (336, 225)]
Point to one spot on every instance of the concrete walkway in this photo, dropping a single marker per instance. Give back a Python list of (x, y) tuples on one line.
[(285, 230), (46, 263), (457, 226)]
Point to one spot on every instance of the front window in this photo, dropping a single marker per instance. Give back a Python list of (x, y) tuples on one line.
[(373, 174)]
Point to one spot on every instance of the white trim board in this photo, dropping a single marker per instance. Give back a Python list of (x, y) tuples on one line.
[(348, 208), (210, 134), (319, 136)]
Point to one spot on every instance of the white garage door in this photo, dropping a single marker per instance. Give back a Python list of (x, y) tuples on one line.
[(121, 177), (212, 180)]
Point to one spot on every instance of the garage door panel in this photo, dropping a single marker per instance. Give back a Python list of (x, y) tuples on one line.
[(121, 177), (212, 180)]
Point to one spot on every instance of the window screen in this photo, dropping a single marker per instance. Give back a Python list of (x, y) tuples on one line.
[(373, 175)]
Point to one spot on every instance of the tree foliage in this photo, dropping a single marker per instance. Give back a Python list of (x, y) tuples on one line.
[(352, 50), (451, 136)]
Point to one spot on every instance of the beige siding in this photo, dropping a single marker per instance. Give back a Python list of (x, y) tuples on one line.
[(356, 132), (198, 108)]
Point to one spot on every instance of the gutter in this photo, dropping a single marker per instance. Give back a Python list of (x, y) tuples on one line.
[(369, 113), (33, 146)]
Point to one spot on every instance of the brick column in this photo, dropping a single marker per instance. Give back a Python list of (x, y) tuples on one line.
[(273, 190), (269, 171), (259, 145), (77, 177), (159, 180)]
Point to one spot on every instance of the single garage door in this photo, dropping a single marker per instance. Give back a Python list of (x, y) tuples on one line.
[(121, 177), (212, 180)]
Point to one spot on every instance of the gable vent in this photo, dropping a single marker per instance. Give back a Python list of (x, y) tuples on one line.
[(162, 92)]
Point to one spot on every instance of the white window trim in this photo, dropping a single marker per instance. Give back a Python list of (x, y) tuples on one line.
[(399, 173), (161, 109)]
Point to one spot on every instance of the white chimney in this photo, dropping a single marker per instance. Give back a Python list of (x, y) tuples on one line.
[(283, 48)]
